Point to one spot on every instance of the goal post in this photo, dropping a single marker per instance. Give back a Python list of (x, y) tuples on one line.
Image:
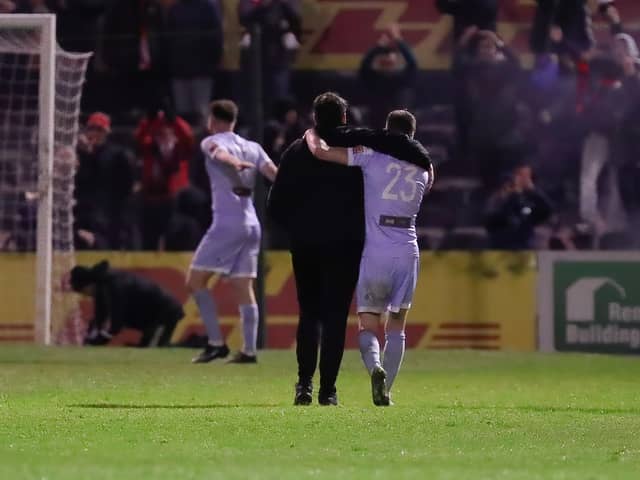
[(38, 133)]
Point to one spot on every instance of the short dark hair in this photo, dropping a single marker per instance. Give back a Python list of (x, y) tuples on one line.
[(401, 121), (329, 109), (225, 110)]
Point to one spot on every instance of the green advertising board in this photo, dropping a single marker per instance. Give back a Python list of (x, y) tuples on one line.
[(594, 303)]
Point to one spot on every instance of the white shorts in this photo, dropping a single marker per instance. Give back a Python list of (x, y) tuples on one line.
[(386, 283), (229, 249)]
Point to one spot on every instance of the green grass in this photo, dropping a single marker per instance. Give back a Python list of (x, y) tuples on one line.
[(134, 414)]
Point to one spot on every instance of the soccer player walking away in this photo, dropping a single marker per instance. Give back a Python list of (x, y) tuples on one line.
[(231, 245), (393, 191), (320, 207)]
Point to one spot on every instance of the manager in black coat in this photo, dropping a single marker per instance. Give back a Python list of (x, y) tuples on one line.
[(321, 207)]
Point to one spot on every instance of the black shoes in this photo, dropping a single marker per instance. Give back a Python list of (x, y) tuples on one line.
[(379, 387), (211, 353), (304, 393), (328, 397), (241, 357)]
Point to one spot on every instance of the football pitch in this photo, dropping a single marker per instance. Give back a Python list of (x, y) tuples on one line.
[(150, 414)]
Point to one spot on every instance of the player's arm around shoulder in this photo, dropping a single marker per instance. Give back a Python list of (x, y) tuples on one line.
[(319, 149)]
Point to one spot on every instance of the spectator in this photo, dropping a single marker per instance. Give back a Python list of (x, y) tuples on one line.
[(566, 27), (551, 123), (165, 142), (281, 26), (194, 48), (123, 300), (186, 225), (104, 186), (388, 71), (514, 210), (285, 127), (132, 51), (601, 115), (481, 14), (628, 148), (78, 22), (492, 105)]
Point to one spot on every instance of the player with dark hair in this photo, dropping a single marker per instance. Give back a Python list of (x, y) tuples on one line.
[(122, 299), (393, 191), (320, 206), (231, 245)]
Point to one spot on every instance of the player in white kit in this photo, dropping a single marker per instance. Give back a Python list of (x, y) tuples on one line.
[(231, 245), (393, 192)]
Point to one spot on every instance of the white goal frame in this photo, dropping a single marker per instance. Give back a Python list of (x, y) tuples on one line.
[(46, 24)]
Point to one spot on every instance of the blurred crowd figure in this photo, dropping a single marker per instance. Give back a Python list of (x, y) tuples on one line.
[(165, 143), (285, 125), (280, 25), (104, 184), (387, 72), (514, 210)]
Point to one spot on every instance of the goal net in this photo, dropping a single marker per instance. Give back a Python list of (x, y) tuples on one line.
[(40, 90)]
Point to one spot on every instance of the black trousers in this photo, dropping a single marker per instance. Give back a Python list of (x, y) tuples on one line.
[(159, 334), (325, 281)]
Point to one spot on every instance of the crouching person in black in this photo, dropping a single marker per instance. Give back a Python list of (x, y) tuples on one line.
[(121, 300)]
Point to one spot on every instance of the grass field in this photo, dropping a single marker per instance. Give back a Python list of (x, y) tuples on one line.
[(133, 414)]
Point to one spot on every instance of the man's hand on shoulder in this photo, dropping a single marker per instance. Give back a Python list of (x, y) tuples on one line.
[(316, 145), (319, 149)]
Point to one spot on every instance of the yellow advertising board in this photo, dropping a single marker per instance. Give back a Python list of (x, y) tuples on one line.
[(463, 300)]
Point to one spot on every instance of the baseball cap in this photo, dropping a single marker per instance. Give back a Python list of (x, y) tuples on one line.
[(99, 120)]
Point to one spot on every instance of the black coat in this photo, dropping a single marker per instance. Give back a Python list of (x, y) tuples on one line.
[(320, 204), (511, 220), (127, 300)]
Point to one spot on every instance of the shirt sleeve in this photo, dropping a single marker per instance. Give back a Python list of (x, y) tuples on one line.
[(210, 145), (359, 156)]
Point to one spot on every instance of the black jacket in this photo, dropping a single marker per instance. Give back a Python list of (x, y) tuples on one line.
[(125, 299), (320, 204), (511, 220)]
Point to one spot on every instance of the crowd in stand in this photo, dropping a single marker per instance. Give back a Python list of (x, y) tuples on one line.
[(570, 120), (552, 146)]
